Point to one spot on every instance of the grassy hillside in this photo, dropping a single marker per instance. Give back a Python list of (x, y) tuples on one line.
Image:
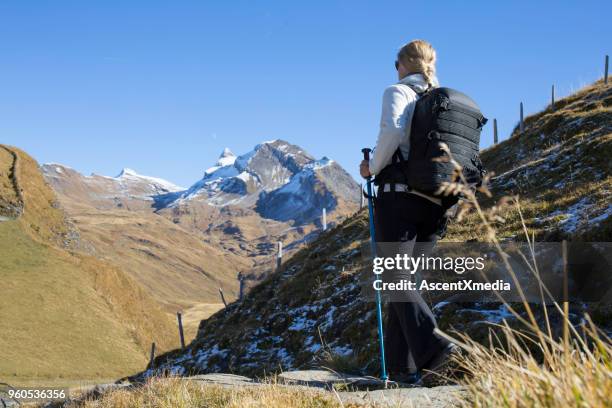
[(312, 312), (560, 168), (181, 267), (65, 316), (41, 217), (177, 267)]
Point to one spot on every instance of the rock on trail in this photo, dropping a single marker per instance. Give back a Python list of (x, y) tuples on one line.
[(366, 391)]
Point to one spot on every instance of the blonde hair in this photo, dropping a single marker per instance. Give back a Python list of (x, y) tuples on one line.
[(419, 56)]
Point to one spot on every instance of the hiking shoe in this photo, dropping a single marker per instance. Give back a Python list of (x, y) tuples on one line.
[(403, 378), (440, 369)]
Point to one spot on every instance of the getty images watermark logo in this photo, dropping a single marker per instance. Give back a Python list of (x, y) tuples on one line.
[(458, 265), (482, 272), (401, 267)]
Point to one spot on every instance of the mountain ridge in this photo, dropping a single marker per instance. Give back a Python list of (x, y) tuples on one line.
[(183, 250), (233, 180)]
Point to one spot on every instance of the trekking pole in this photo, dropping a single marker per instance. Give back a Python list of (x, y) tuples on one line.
[(383, 368)]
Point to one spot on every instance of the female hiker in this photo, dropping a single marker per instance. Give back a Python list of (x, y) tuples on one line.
[(405, 217)]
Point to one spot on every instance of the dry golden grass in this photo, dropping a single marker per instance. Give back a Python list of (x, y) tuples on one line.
[(176, 266), (176, 393), (195, 314), (531, 367), (505, 374), (67, 316)]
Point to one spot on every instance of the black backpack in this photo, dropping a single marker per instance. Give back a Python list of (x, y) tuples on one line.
[(440, 115)]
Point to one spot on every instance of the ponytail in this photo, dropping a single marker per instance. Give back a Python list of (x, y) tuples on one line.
[(419, 56)]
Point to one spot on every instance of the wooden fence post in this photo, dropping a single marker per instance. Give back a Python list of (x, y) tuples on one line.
[(279, 255), (521, 125), (152, 359), (361, 196), (241, 287), (495, 140), (552, 98), (222, 297), (324, 219), (180, 327), (565, 296), (606, 71)]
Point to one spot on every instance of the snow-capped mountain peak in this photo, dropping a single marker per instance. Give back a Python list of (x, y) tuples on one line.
[(224, 163), (277, 179), (158, 184), (234, 179), (126, 171), (227, 158)]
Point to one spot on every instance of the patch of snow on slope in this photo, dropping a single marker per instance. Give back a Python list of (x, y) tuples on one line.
[(245, 176), (491, 315), (242, 161), (53, 164), (576, 216), (319, 164), (227, 158), (343, 350), (313, 348), (602, 217), (224, 163), (284, 357), (329, 318), (219, 172), (203, 356), (301, 323), (295, 183), (572, 215), (128, 174)]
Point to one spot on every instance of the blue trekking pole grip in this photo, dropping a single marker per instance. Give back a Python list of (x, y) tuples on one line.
[(383, 369)]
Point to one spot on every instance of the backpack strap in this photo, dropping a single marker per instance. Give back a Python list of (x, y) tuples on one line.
[(421, 93), (429, 88), (397, 157)]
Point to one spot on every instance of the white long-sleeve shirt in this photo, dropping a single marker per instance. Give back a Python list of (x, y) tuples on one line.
[(397, 110)]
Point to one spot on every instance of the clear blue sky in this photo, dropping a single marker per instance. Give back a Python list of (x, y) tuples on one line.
[(163, 87)]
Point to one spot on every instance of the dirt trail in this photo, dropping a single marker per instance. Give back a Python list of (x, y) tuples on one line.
[(362, 391)]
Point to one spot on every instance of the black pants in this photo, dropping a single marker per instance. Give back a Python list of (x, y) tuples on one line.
[(405, 223)]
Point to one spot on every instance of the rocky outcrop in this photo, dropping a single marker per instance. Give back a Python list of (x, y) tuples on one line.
[(13, 208), (128, 190)]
